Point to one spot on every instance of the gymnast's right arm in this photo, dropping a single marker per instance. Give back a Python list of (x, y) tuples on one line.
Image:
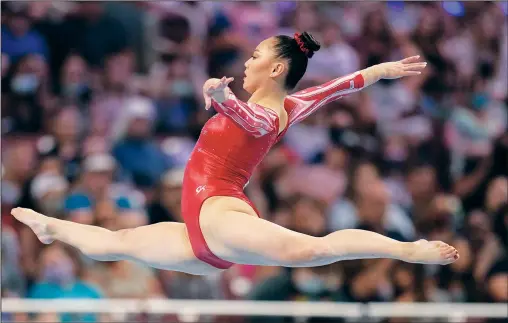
[(253, 118)]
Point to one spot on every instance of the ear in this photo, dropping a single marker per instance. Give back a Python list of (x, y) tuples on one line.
[(277, 69)]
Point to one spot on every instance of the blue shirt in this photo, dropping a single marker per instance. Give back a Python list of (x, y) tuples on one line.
[(30, 43), (82, 201), (77, 290), (143, 160)]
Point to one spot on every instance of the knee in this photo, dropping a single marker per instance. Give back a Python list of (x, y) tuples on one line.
[(301, 251)]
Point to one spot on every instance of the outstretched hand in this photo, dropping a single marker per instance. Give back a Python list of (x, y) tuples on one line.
[(407, 67), (216, 89)]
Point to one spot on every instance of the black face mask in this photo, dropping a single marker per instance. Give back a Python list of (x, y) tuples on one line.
[(395, 165), (386, 82), (486, 70), (168, 58), (399, 291)]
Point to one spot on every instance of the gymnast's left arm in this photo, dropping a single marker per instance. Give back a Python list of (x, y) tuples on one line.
[(307, 101)]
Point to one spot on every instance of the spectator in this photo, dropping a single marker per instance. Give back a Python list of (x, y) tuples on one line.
[(364, 191), (92, 34), (18, 37), (225, 45), (305, 16), (59, 278), (179, 285), (123, 279), (497, 281), (309, 216), (13, 278), (18, 163), (497, 196), (27, 96), (115, 84), (302, 284), (75, 82), (471, 143), (335, 49), (177, 104), (376, 42), (440, 223), (106, 215), (254, 21), (49, 190), (167, 205), (421, 184), (136, 151), (485, 246), (64, 142), (96, 184)]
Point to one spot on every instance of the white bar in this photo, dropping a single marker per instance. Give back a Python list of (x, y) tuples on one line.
[(451, 310), (184, 307), (251, 308)]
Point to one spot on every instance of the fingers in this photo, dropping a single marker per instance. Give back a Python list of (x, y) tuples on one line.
[(212, 89), (208, 102), (415, 66), (412, 59), (225, 81), (410, 73), (219, 86)]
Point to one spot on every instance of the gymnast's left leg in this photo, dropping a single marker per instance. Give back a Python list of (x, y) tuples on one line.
[(234, 233), (164, 245)]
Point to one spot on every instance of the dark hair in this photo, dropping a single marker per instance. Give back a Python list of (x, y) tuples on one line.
[(297, 51)]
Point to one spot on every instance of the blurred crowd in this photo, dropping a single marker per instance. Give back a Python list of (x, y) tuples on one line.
[(101, 106)]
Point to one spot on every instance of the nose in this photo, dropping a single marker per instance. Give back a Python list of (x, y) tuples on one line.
[(247, 63)]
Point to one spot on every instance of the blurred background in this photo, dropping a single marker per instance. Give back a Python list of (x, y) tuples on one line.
[(101, 107)]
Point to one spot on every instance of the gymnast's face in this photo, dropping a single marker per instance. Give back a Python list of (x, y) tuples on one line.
[(264, 67)]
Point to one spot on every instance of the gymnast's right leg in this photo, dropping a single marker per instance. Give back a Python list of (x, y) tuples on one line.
[(163, 246)]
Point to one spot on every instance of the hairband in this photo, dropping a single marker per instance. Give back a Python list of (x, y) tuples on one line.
[(301, 44)]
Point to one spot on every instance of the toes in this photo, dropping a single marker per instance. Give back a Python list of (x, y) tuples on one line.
[(16, 211), (448, 251)]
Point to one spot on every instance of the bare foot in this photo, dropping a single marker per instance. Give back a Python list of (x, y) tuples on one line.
[(432, 252), (36, 221)]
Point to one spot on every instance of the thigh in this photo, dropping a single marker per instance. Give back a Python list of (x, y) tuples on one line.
[(237, 235), (164, 246)]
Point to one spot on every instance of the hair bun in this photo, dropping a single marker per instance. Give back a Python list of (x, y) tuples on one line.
[(308, 44)]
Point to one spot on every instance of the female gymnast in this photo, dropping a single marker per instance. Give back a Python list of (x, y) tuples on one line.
[(222, 226)]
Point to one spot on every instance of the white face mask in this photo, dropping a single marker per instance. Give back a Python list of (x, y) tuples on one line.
[(52, 206), (182, 88), (469, 126), (312, 285), (60, 274), (25, 84)]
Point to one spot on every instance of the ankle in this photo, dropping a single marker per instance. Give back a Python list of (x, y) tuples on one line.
[(52, 226), (407, 250)]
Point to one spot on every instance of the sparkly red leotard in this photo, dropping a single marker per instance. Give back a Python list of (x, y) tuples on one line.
[(234, 142)]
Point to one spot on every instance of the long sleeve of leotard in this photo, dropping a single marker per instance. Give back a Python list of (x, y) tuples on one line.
[(305, 102), (251, 117)]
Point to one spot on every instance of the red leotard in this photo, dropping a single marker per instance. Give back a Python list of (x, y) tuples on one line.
[(233, 142)]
